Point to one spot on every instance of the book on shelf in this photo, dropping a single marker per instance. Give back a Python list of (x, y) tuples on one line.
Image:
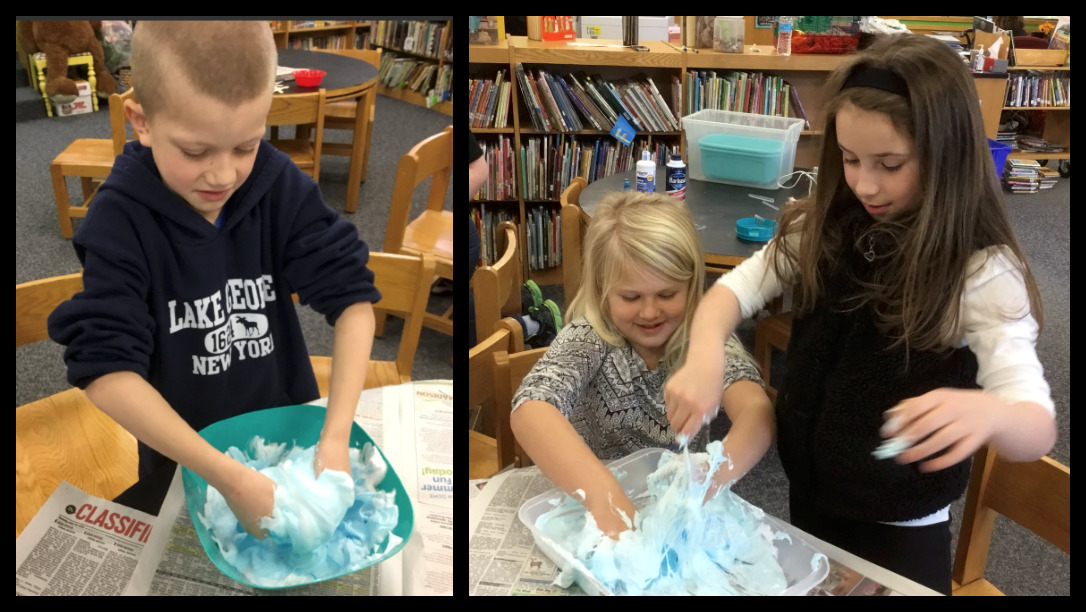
[(740, 91), (487, 217), (501, 164), (550, 162), (1038, 88), (544, 228)]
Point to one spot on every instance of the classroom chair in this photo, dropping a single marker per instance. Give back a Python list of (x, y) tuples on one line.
[(488, 453), (432, 231), (300, 109), (509, 371), (90, 159), (771, 333), (497, 286), (63, 436), (38, 65), (574, 226), (1035, 494), (404, 283), (342, 115)]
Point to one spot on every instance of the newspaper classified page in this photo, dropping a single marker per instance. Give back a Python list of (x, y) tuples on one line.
[(78, 544)]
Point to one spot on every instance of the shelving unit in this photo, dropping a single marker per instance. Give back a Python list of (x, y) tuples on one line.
[(430, 43), (1057, 119), (805, 72), (321, 34), (661, 62)]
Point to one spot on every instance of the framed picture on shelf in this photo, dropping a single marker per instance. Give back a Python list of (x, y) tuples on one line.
[(765, 23)]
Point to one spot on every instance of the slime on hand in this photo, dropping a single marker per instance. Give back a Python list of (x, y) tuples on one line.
[(320, 527)]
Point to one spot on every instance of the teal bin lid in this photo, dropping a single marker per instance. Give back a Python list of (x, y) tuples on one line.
[(745, 145)]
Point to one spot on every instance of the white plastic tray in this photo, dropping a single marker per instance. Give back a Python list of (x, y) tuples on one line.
[(795, 556)]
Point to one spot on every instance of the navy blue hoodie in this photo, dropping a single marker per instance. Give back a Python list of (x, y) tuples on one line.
[(205, 313)]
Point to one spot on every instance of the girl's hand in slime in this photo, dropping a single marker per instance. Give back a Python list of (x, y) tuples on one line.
[(692, 394), (609, 514)]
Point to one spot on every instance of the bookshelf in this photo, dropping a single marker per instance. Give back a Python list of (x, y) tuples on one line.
[(1056, 119), (321, 34), (661, 63), (416, 61), (804, 72)]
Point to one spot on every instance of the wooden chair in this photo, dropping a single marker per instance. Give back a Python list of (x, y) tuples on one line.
[(63, 436), (574, 226), (404, 282), (1036, 495), (342, 116), (509, 371), (497, 287), (299, 110), (771, 332), (432, 231), (90, 159), (485, 451)]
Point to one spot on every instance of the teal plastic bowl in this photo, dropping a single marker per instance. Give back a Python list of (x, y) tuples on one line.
[(758, 230), (300, 426)]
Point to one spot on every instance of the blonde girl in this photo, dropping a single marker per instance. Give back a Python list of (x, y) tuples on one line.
[(915, 315), (597, 394)]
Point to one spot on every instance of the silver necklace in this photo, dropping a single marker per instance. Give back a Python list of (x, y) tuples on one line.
[(869, 255)]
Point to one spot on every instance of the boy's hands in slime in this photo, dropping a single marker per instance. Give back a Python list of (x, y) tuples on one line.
[(251, 497), (332, 455)]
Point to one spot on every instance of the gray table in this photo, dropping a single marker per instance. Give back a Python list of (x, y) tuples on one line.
[(715, 207)]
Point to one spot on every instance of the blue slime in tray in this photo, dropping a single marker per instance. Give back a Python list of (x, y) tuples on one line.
[(320, 528), (677, 546)]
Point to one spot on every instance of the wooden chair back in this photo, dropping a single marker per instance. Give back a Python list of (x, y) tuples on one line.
[(300, 110), (574, 226), (404, 283), (63, 436), (1035, 494), (36, 300), (431, 158), (118, 121), (484, 450), (772, 332), (497, 287), (509, 371)]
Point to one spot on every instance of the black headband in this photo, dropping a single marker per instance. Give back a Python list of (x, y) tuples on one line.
[(879, 78)]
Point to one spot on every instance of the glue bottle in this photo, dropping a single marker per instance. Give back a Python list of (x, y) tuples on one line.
[(676, 177), (646, 173)]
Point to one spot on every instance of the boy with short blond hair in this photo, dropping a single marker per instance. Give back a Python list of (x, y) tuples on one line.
[(191, 251)]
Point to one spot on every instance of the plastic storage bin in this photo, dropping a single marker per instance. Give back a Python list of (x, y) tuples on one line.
[(999, 154), (760, 171), (728, 33), (796, 557)]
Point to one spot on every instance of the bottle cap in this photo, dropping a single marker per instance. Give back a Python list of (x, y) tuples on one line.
[(644, 155)]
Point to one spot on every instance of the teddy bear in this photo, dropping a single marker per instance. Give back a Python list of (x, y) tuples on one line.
[(58, 40)]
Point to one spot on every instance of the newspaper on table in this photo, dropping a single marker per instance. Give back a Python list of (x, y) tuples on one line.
[(504, 560), (78, 544)]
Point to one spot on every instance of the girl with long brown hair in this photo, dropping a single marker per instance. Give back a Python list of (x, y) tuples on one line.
[(915, 316)]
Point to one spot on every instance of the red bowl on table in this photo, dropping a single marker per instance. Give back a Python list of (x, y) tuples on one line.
[(309, 78)]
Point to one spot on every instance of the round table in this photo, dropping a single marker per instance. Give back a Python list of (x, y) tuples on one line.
[(347, 79), (715, 207)]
